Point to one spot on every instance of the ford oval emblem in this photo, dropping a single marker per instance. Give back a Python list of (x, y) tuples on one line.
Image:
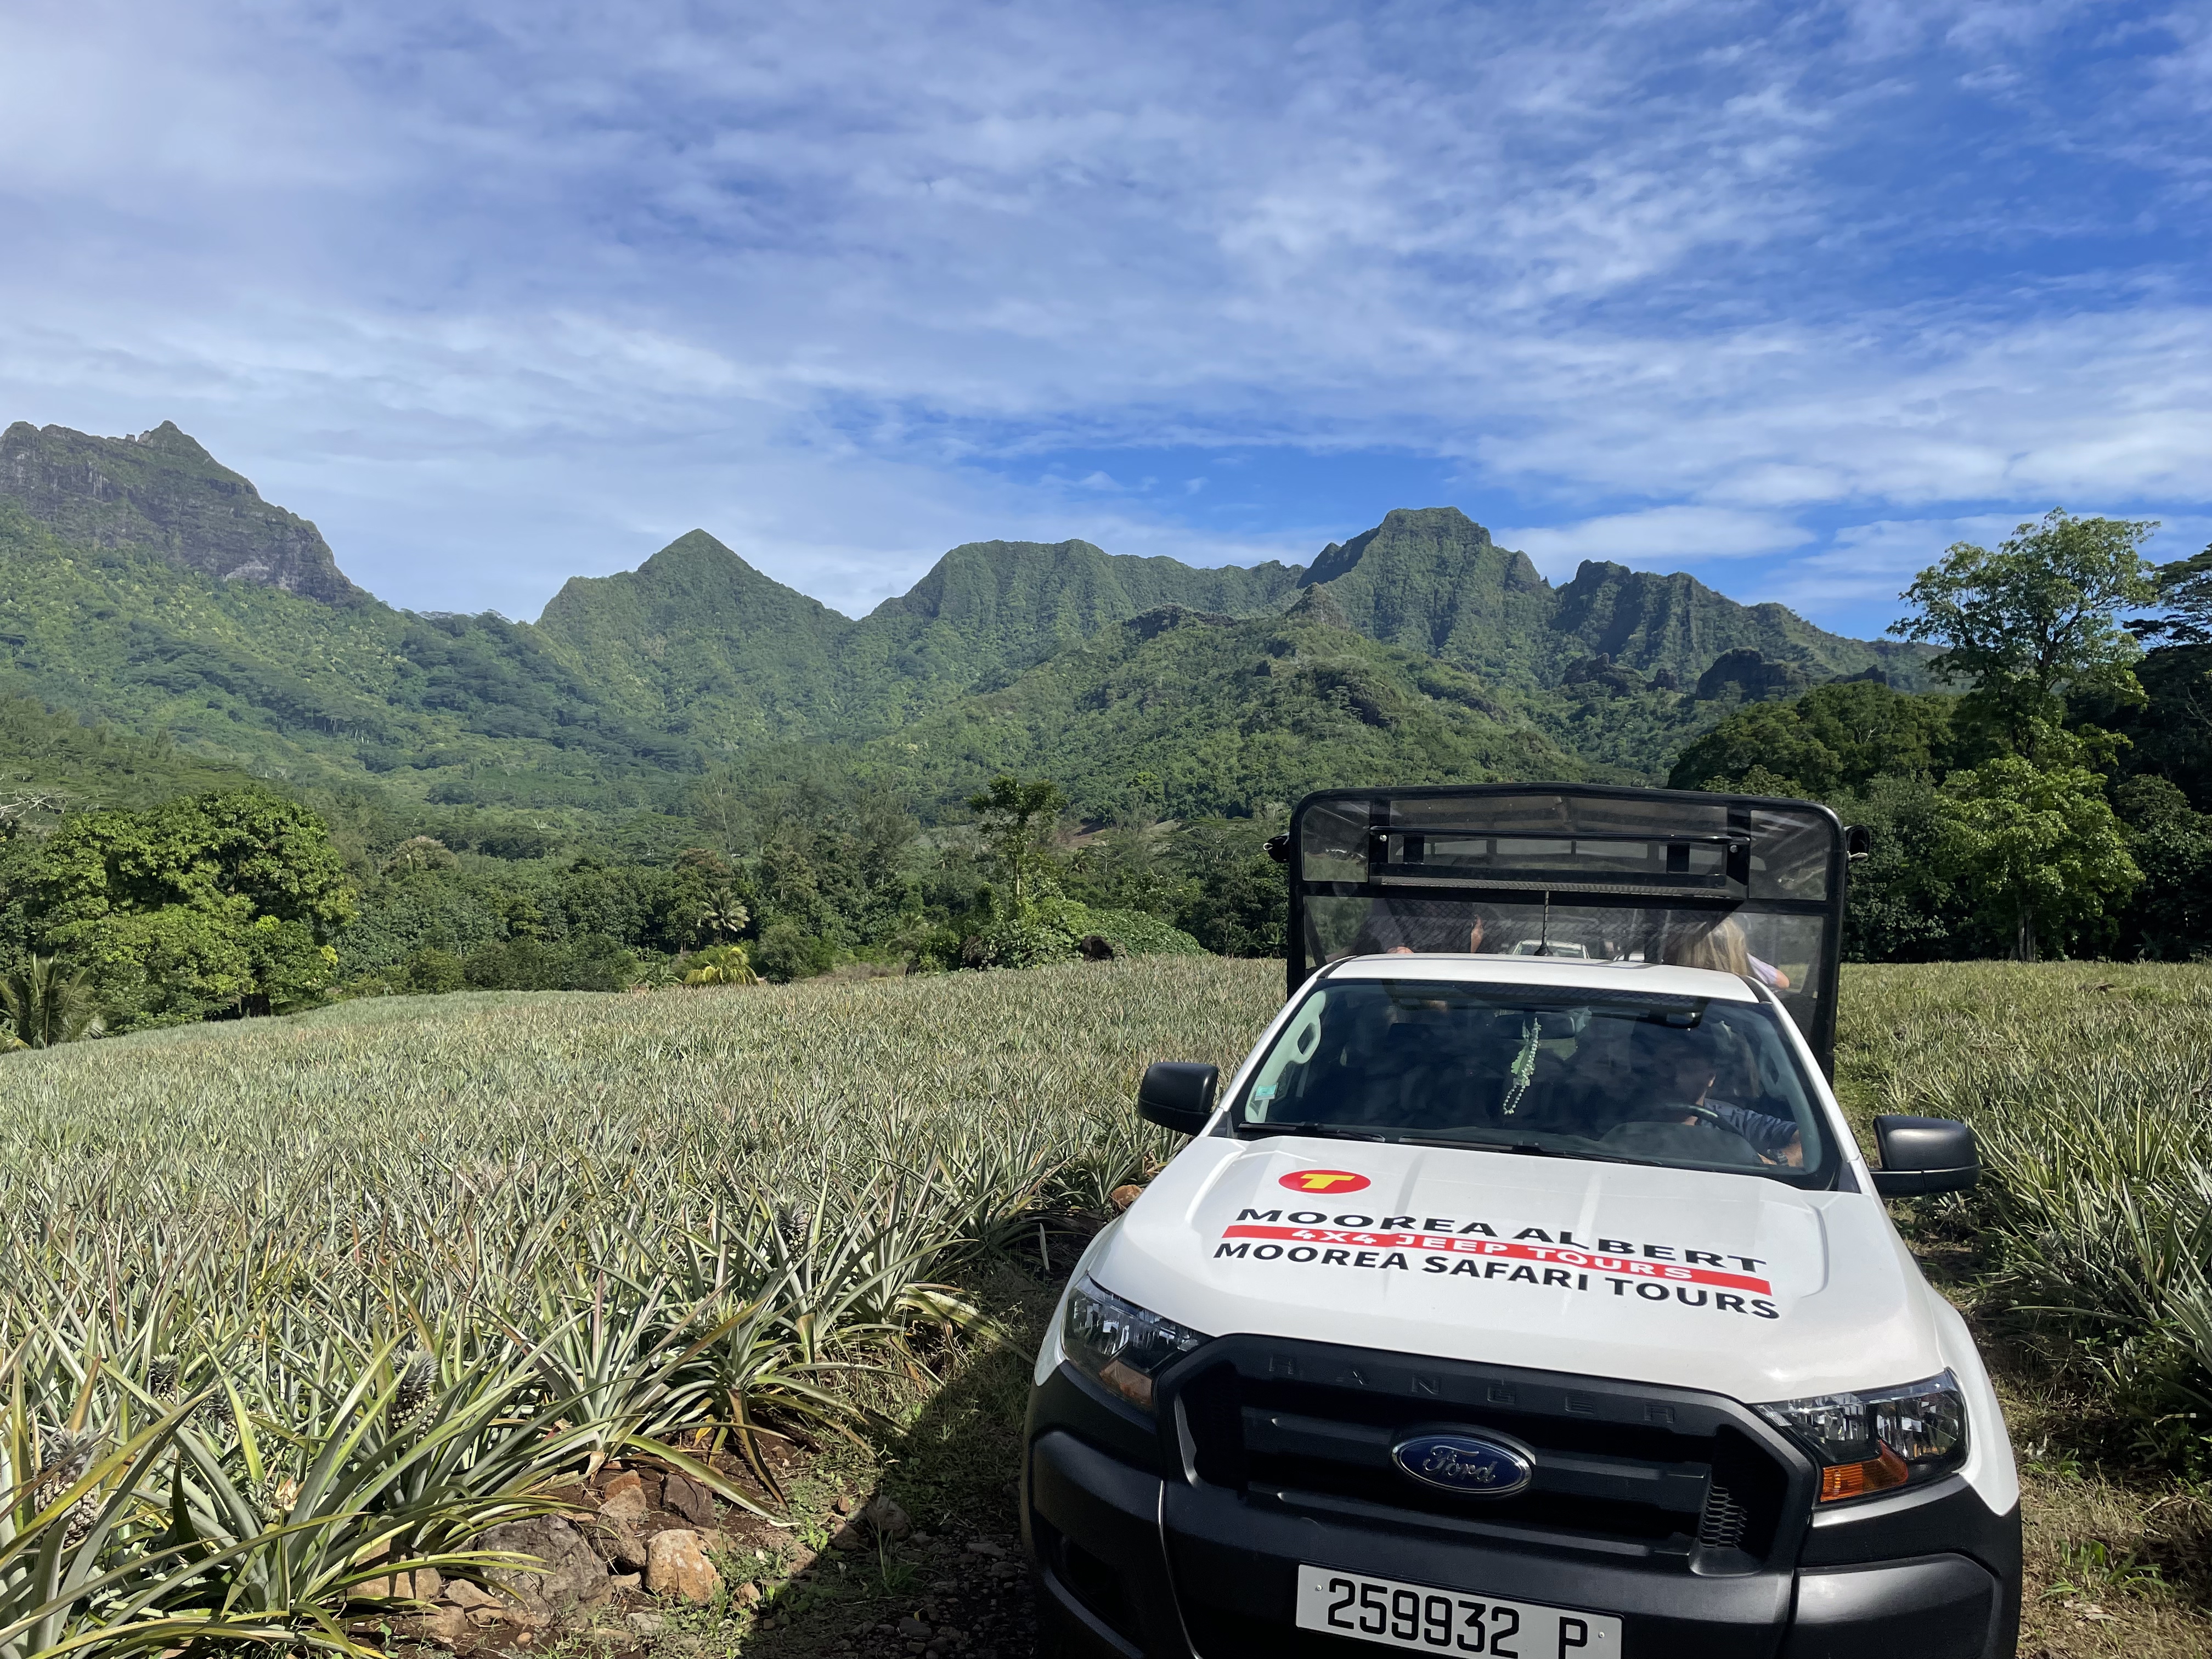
[(1469, 1465)]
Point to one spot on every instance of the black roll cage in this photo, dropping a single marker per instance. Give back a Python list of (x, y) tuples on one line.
[(1679, 889)]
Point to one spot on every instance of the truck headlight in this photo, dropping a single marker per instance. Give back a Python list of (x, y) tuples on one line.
[(1879, 1438), (1118, 1344)]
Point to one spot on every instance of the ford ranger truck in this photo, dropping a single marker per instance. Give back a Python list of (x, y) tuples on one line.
[(1523, 1293)]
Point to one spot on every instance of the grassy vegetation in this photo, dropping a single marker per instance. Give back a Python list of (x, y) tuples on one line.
[(418, 1258), (2082, 1261)]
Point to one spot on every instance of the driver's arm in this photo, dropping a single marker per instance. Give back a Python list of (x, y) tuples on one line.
[(1774, 1139)]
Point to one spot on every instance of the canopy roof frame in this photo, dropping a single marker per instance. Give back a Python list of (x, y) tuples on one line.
[(1731, 888)]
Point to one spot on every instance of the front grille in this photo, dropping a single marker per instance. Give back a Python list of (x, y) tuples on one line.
[(1665, 1479), (1723, 1521)]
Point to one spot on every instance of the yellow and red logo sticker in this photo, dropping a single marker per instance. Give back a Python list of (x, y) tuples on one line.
[(1331, 1182)]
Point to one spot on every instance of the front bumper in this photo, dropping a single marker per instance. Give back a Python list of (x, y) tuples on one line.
[(1133, 1564)]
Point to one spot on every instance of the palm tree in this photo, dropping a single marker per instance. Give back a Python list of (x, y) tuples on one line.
[(47, 1002), (725, 912), (722, 964)]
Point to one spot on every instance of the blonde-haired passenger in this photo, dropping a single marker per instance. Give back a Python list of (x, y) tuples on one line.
[(1718, 943)]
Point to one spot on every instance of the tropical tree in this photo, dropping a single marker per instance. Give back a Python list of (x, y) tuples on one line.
[(1834, 738), (204, 904), (213, 852), (724, 913), (2036, 619), (420, 852), (2184, 602), (48, 1002), (2039, 850), (722, 965), (1017, 819), (2171, 915)]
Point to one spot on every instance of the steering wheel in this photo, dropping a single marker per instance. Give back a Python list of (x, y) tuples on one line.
[(1705, 1115)]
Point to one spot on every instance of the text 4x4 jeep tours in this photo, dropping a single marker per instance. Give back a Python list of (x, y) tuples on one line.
[(1523, 1293)]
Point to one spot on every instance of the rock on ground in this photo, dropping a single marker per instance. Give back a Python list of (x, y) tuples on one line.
[(447, 1626), (575, 1577), (689, 1499), (625, 1499), (677, 1565), (619, 1543)]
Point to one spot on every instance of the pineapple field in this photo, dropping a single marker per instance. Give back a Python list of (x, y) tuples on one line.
[(300, 1316), (289, 1308)]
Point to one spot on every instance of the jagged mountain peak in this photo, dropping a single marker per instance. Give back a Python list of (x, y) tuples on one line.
[(1402, 528), (978, 576), (694, 543), (1651, 619), (161, 490), (698, 565), (689, 623), (170, 439)]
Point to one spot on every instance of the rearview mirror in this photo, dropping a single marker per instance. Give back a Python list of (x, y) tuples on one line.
[(1922, 1155), (1177, 1094)]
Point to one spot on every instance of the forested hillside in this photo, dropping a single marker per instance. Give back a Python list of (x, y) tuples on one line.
[(433, 708), (697, 642), (1219, 716)]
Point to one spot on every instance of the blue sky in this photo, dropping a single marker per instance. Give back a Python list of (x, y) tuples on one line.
[(1790, 296)]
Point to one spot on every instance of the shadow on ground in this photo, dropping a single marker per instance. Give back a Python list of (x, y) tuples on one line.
[(952, 1579)]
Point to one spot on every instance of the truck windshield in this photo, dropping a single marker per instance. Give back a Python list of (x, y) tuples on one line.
[(1691, 1082)]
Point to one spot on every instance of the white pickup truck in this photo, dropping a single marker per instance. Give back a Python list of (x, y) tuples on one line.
[(1529, 1302)]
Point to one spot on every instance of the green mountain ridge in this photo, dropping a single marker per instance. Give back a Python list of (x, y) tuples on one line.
[(1432, 580), (697, 639), (151, 588)]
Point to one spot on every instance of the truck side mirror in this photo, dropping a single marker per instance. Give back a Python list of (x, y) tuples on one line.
[(1178, 1095), (1921, 1155)]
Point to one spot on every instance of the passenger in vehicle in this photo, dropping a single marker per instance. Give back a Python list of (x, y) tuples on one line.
[(1718, 943)]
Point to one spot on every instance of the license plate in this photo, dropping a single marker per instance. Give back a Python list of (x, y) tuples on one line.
[(1432, 1620)]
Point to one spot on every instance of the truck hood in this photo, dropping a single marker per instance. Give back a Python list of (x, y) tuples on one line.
[(1732, 1283)]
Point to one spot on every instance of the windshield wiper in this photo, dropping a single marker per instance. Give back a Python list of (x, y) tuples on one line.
[(1320, 1131), (1534, 1148), (1528, 1148)]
